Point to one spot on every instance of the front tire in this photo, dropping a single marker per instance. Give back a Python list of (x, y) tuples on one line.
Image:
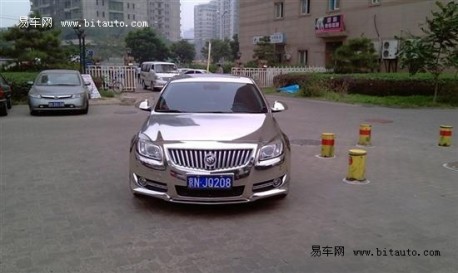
[(3, 109), (144, 86), (8, 103)]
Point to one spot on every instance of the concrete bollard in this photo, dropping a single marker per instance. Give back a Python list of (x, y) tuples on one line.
[(327, 145), (356, 165), (365, 134), (445, 135)]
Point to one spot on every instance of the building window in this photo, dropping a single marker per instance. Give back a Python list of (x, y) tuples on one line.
[(128, 16), (305, 7), (103, 14), (96, 2), (128, 5), (133, 5), (303, 57), (334, 4), (279, 10), (133, 16), (97, 13)]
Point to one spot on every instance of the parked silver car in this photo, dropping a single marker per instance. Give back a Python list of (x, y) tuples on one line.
[(210, 139), (58, 90)]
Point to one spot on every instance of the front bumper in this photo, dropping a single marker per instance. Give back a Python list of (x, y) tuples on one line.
[(168, 182), (42, 104)]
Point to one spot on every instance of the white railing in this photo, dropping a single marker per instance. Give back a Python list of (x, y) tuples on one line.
[(264, 77), (114, 74)]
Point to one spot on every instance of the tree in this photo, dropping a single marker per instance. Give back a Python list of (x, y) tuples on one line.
[(146, 45), (264, 50), (436, 50), (235, 47), (183, 51), (220, 50), (356, 56), (34, 46)]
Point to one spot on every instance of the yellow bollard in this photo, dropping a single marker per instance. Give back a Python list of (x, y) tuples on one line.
[(327, 145), (365, 134), (357, 165), (445, 136)]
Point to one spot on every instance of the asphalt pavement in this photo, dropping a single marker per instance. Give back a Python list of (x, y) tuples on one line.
[(65, 204)]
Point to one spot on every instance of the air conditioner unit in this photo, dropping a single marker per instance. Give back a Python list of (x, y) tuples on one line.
[(390, 49)]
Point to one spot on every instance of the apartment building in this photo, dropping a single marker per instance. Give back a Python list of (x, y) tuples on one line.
[(227, 13), (161, 15), (204, 25), (307, 32)]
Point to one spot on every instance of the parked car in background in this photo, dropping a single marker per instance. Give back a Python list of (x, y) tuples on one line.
[(210, 139), (59, 90), (5, 96), (155, 75), (192, 71)]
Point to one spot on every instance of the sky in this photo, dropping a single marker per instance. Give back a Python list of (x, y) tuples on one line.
[(11, 10)]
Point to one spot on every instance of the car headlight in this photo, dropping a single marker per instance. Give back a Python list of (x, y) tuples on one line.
[(79, 95), (271, 150), (34, 95), (147, 149)]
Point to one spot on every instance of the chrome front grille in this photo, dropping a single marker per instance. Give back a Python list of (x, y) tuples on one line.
[(57, 97), (210, 159)]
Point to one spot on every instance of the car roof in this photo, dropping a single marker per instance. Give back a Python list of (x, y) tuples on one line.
[(211, 78), (59, 71), (153, 62)]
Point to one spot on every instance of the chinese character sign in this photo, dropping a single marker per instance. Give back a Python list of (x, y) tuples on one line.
[(332, 23)]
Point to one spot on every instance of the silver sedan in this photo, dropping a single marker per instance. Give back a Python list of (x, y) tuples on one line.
[(58, 90), (210, 139)]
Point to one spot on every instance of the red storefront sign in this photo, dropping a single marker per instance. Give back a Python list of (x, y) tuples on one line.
[(332, 23)]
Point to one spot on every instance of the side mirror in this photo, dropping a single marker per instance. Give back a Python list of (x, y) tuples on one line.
[(30, 82), (279, 106), (145, 106), (87, 83)]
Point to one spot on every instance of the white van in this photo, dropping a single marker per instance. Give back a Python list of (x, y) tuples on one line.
[(155, 75)]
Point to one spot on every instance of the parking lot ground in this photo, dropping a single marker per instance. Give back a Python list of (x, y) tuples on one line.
[(65, 205)]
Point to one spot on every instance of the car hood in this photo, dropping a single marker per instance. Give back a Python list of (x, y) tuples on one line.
[(211, 127), (60, 89)]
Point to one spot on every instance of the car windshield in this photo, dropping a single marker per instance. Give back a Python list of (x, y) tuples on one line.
[(211, 97), (165, 68), (51, 79)]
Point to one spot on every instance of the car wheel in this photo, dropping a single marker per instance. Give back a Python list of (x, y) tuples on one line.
[(8, 103), (3, 109), (33, 112), (144, 85), (86, 110), (152, 86)]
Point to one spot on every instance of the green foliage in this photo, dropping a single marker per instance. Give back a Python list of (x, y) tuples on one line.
[(264, 50), (145, 45), (356, 56), (235, 47), (220, 50), (183, 52), (19, 85), (372, 84), (436, 50), (33, 48)]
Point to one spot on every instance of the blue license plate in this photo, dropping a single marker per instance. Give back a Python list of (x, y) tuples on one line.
[(54, 104), (209, 181)]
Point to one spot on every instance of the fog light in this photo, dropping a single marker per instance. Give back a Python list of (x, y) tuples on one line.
[(277, 182), (142, 182)]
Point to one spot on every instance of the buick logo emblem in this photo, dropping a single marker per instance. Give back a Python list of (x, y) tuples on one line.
[(210, 160)]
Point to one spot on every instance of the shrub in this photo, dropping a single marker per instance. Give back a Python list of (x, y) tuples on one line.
[(374, 84)]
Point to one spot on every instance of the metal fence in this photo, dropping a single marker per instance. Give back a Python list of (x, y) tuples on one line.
[(264, 77), (115, 75)]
